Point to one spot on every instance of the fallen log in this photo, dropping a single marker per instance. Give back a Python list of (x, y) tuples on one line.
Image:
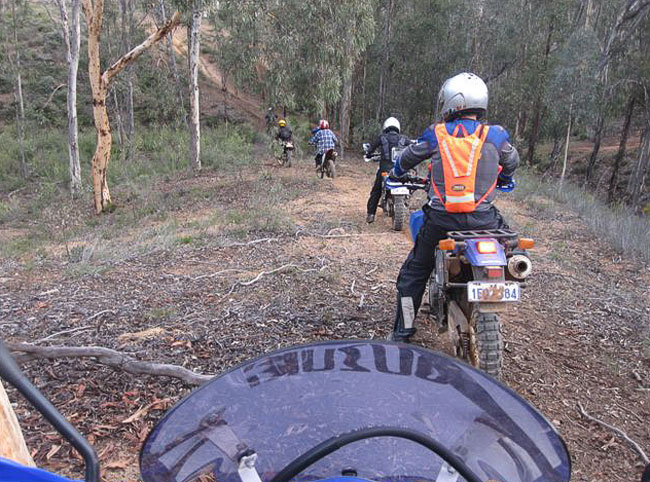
[(108, 357)]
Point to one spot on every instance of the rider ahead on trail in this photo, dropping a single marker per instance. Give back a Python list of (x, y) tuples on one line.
[(284, 131), (390, 137), (469, 159), (324, 140)]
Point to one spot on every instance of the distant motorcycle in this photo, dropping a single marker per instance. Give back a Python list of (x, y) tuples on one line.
[(396, 194), (328, 165), (477, 275), (284, 159)]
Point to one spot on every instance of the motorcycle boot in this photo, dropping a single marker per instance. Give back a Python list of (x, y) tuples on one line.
[(403, 328), (370, 218)]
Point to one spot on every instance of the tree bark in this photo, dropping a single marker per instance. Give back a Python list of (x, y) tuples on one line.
[(346, 97), (99, 82), (72, 41), (169, 40), (637, 179), (618, 160), (18, 95), (600, 125), (12, 442), (195, 126), (537, 109), (383, 73), (126, 8), (566, 146)]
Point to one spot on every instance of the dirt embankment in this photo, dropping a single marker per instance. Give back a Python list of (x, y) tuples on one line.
[(579, 336)]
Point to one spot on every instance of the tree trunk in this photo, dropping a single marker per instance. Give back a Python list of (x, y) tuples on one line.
[(72, 40), (346, 97), (12, 442), (618, 160), (99, 86), (566, 145), (637, 179), (383, 73), (126, 8), (537, 109), (18, 95), (598, 136), (169, 40), (195, 126)]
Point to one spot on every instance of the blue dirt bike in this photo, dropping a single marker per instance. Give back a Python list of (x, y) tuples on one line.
[(343, 411), (477, 275)]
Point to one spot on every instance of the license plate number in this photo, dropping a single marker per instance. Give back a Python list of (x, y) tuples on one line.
[(482, 291), (396, 191)]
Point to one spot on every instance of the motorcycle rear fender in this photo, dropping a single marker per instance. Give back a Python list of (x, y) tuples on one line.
[(477, 259)]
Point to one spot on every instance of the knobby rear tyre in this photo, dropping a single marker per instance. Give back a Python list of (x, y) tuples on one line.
[(400, 213), (488, 343)]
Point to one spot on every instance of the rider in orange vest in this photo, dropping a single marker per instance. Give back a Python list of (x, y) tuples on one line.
[(469, 159)]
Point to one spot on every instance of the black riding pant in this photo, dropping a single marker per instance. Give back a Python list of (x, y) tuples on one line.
[(375, 193), (419, 264)]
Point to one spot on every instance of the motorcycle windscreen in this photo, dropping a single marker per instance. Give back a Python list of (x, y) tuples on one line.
[(283, 404)]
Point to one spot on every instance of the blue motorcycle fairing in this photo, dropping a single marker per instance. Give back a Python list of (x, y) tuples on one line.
[(11, 471), (286, 402), (416, 221), (489, 259), (392, 184)]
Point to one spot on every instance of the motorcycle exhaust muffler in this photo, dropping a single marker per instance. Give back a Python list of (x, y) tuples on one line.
[(519, 266)]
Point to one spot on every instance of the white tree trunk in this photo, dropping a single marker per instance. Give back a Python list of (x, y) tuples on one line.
[(195, 126), (566, 146), (127, 30), (172, 61), (18, 94), (72, 40), (12, 443)]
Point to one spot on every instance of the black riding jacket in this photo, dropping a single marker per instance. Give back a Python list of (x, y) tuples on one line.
[(388, 140), (284, 133)]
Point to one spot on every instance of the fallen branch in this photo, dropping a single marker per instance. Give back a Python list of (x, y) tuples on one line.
[(64, 332), (637, 448), (218, 273), (111, 358), (260, 275), (250, 243), (333, 236)]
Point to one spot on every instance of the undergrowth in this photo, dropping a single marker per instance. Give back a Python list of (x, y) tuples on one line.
[(626, 232)]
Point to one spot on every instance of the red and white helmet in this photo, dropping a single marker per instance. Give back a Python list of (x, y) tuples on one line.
[(324, 124)]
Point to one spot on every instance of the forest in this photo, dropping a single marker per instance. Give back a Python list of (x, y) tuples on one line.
[(150, 240)]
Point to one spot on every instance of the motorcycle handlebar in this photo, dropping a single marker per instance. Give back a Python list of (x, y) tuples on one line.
[(10, 372)]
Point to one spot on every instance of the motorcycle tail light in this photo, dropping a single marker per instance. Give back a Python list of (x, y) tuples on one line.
[(526, 243), (447, 244), (494, 271), (486, 247)]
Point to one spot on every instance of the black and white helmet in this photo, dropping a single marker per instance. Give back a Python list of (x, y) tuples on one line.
[(465, 93), (391, 122)]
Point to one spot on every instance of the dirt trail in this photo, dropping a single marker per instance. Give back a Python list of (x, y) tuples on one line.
[(580, 335)]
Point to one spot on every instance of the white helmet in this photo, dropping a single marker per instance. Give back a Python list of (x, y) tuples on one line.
[(463, 93), (391, 122)]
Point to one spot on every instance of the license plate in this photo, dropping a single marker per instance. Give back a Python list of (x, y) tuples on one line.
[(397, 191), (482, 291)]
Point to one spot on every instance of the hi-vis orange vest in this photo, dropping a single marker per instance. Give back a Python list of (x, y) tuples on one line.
[(460, 156)]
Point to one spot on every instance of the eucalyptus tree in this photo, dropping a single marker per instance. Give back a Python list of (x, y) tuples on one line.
[(71, 31), (99, 83)]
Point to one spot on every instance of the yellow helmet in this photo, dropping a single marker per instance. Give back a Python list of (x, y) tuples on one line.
[(282, 123)]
